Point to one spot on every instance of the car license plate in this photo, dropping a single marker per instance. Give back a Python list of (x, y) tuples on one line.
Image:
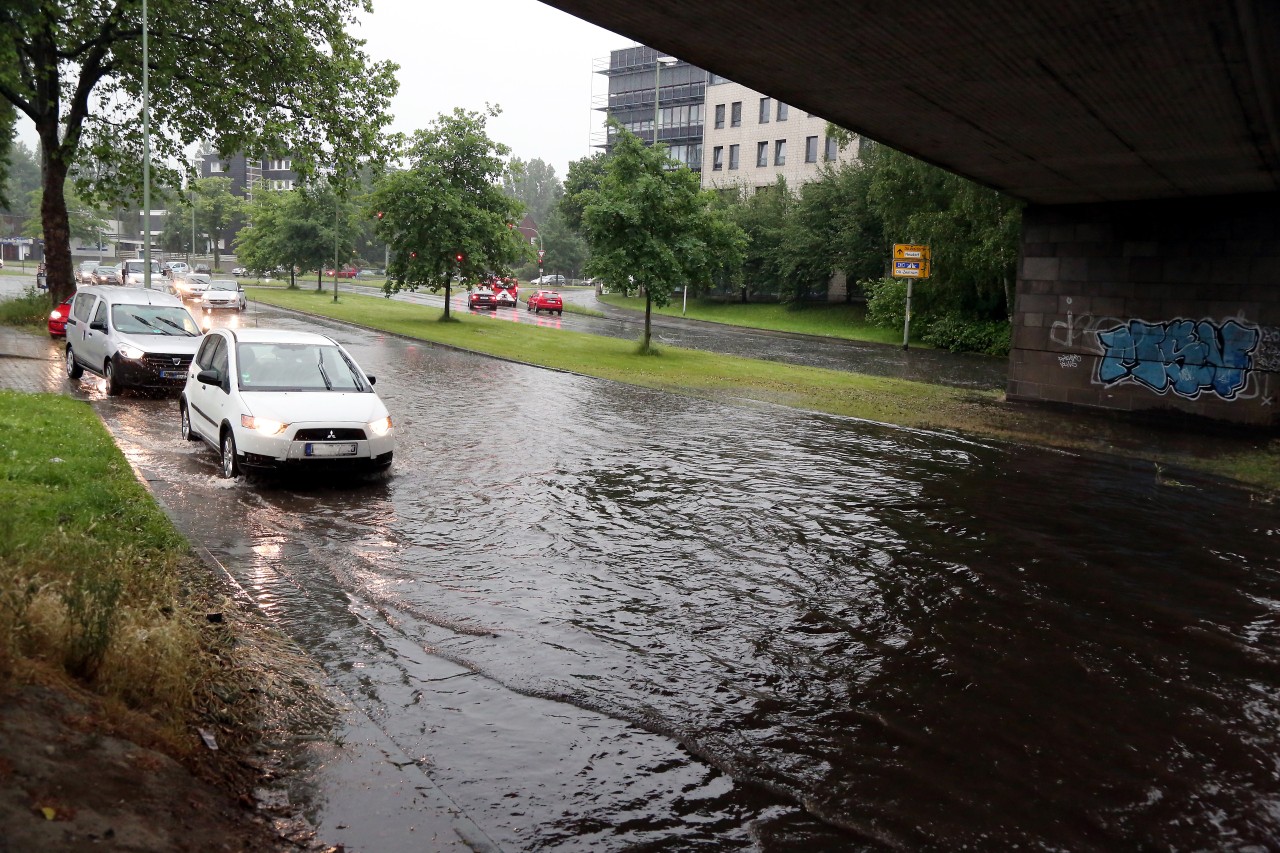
[(172, 374), (344, 449)]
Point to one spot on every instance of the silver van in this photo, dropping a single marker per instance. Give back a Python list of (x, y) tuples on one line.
[(130, 273), (130, 337)]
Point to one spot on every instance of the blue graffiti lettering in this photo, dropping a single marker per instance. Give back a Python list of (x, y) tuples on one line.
[(1184, 356)]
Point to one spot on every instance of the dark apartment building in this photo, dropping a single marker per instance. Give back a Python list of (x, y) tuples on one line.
[(635, 80), (247, 176)]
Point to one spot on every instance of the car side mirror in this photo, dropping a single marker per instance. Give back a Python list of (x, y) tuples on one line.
[(98, 327), (209, 376), (373, 380)]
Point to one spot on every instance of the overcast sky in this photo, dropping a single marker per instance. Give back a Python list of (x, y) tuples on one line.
[(533, 61)]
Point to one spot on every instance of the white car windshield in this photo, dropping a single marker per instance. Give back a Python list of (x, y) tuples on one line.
[(296, 367), (224, 285), (154, 320)]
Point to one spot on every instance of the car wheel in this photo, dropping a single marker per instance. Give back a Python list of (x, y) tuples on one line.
[(113, 383), (230, 468), (187, 432), (74, 370), (560, 313)]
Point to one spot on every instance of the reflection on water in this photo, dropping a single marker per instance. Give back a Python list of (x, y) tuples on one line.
[(925, 641)]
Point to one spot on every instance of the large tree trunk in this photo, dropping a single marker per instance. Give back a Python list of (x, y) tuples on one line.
[(448, 297), (320, 279), (57, 227)]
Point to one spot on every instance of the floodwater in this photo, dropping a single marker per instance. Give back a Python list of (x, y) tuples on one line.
[(596, 617)]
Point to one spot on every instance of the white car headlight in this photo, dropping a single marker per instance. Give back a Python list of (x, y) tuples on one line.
[(381, 427), (130, 352), (262, 425)]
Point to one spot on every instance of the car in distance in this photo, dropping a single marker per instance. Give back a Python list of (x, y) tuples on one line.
[(130, 337), (58, 319), (172, 268), (274, 398), (345, 272), (103, 275), (223, 293), (84, 272), (544, 280), (481, 297), (545, 300), (239, 271), (131, 273), (189, 285), (504, 298)]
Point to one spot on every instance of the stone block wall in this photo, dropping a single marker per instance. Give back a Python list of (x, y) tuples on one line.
[(1166, 306)]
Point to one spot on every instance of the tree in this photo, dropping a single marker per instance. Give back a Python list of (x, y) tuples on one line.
[(252, 75), (23, 177), (536, 185), (580, 186), (216, 208), (294, 229), (446, 214), (83, 221), (566, 249), (650, 220)]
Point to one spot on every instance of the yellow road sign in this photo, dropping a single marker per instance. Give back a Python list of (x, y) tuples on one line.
[(910, 251)]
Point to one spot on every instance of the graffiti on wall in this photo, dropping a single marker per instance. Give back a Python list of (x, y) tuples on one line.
[(1185, 357)]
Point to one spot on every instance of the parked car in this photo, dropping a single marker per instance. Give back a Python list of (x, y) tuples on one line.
[(544, 280), (84, 272), (58, 319), (172, 268), (273, 398), (131, 273), (545, 300), (103, 275), (481, 297), (203, 269), (223, 293), (130, 337), (239, 271)]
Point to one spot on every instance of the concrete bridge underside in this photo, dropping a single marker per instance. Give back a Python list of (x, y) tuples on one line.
[(1144, 136)]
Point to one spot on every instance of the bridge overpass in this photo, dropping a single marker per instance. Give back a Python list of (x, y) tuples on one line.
[(1144, 137)]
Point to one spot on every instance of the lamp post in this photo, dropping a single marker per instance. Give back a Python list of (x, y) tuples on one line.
[(658, 62), (146, 159)]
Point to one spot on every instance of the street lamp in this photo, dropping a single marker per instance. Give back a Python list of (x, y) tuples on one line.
[(658, 62), (146, 158)]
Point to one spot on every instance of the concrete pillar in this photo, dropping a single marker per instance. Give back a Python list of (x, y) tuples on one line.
[(1166, 307)]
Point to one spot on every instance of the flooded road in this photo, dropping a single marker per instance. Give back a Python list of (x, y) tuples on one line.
[(595, 617)]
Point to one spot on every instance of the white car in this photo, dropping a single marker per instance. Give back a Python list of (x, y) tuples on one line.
[(223, 293), (273, 398), (189, 285)]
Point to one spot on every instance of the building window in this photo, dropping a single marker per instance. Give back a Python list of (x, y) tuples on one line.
[(717, 158), (733, 156), (762, 154), (735, 114), (764, 110), (832, 149), (215, 166), (719, 116), (780, 152), (811, 149), (782, 111)]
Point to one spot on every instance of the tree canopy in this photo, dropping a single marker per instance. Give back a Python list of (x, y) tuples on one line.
[(535, 184), (650, 221), (250, 75), (446, 213)]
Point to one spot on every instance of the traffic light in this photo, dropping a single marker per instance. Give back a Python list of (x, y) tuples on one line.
[(459, 257), (379, 214), (413, 255)]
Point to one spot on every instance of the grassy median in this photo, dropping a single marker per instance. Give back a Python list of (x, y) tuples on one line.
[(1251, 460)]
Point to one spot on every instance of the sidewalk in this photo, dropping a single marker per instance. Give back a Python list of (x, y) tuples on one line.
[(31, 362)]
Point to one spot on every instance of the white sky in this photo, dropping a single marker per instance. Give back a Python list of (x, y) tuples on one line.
[(533, 61)]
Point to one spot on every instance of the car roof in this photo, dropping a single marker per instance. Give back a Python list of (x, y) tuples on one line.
[(279, 336), (131, 295)]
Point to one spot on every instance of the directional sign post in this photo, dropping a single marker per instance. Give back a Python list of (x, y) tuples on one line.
[(910, 261)]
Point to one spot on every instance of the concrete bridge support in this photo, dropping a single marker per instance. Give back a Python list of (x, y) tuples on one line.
[(1166, 307)]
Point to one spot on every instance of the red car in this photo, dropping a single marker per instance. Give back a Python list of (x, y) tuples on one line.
[(545, 300), (481, 297), (58, 319), (346, 272)]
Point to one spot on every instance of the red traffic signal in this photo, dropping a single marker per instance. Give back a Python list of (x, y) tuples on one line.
[(459, 257), (413, 254), (379, 214)]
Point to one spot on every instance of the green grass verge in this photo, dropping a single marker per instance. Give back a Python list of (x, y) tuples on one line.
[(697, 373), (88, 562), (674, 369), (30, 310), (840, 320)]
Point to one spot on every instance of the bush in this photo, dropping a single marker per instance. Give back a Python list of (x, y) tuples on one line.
[(30, 309), (963, 334)]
